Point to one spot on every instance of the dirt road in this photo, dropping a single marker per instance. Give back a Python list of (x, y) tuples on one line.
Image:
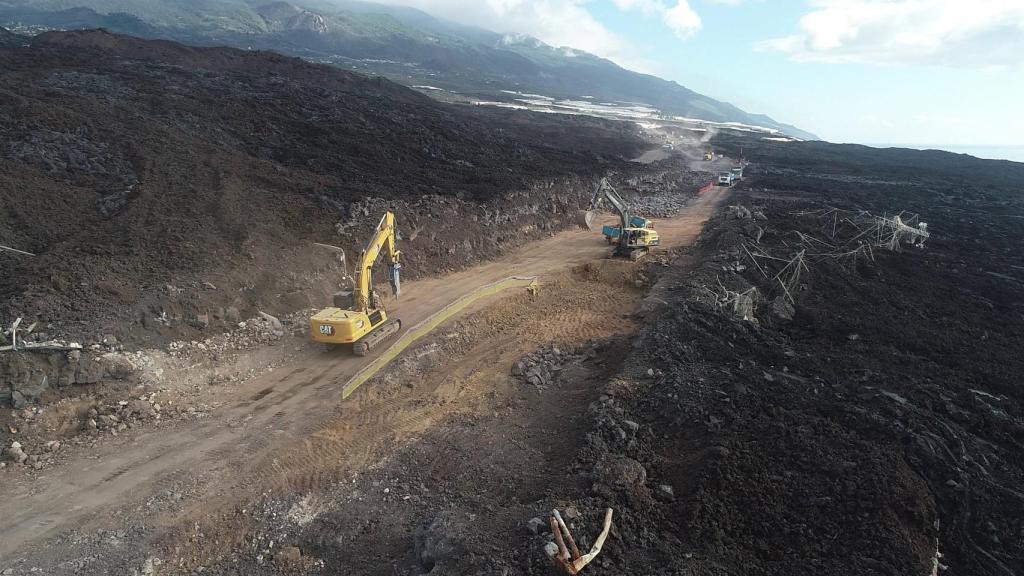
[(202, 457)]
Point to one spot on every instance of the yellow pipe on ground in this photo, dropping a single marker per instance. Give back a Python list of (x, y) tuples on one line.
[(430, 323)]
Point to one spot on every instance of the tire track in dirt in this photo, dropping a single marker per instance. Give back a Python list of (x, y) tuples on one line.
[(593, 301)]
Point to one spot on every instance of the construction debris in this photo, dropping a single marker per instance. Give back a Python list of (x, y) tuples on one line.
[(847, 237), (560, 554), (15, 250)]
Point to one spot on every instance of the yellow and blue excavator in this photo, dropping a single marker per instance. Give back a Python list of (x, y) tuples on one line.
[(358, 317), (633, 237)]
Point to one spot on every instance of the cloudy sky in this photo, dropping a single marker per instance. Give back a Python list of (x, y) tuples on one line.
[(940, 72)]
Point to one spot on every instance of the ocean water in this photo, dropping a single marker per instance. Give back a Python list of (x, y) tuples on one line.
[(1014, 153)]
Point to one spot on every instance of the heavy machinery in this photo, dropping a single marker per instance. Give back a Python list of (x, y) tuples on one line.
[(612, 233), (633, 237), (709, 156), (358, 317)]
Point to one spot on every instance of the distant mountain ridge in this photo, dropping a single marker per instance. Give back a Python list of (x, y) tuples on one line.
[(404, 44), (285, 17)]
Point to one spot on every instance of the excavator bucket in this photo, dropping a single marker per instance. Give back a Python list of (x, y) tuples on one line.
[(585, 219)]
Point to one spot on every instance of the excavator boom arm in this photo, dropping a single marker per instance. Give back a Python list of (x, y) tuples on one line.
[(606, 191), (383, 239)]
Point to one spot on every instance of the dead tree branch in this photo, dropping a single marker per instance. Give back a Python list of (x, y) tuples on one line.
[(15, 250), (559, 553)]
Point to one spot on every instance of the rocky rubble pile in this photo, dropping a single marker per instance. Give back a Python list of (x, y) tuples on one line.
[(660, 206), (724, 281), (16, 454), (32, 430), (28, 374), (661, 194), (33, 454), (260, 331), (70, 153), (447, 232), (103, 86), (120, 416), (541, 367)]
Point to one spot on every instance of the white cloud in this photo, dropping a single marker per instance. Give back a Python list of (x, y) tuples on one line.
[(978, 34), (682, 19), (566, 23), (679, 17), (649, 7), (556, 22)]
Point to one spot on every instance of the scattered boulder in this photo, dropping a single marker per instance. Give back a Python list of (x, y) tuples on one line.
[(275, 325), (16, 454), (150, 567), (738, 212), (90, 371), (232, 315), (519, 368), (442, 539), (621, 471), (117, 365), (536, 526), (288, 557), (18, 400), (664, 492), (781, 309), (33, 386), (142, 408)]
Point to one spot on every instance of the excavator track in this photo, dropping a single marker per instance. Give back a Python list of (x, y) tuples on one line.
[(379, 334)]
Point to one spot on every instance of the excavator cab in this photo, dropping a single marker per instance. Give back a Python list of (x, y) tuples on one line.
[(636, 242)]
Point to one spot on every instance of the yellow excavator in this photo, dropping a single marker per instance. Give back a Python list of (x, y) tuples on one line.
[(357, 317), (709, 156)]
